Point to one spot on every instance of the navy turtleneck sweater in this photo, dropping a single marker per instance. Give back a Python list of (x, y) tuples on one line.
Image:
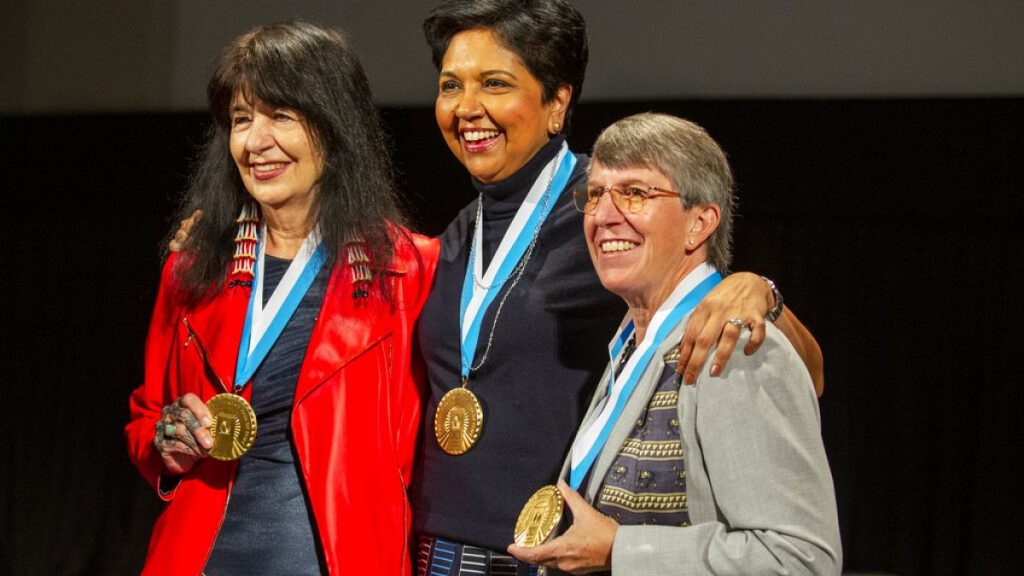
[(549, 349)]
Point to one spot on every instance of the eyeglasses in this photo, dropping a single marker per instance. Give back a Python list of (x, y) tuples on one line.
[(630, 198)]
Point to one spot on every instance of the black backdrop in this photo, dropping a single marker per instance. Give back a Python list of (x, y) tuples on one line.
[(890, 225)]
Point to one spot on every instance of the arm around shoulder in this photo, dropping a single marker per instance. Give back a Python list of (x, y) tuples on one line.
[(806, 346), (752, 300)]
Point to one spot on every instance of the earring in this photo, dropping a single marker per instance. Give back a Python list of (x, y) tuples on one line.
[(359, 262), (558, 127), (245, 242)]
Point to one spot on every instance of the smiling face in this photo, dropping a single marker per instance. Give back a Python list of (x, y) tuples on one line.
[(276, 156), (642, 256), (489, 106)]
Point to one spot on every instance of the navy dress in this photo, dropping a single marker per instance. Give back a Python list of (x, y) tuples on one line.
[(268, 527)]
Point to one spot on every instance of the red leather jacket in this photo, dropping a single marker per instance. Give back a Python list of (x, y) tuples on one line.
[(355, 417)]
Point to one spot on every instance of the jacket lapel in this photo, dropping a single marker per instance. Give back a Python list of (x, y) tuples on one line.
[(218, 325), (345, 327)]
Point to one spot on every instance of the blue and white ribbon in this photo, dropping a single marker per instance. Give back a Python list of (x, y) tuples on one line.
[(593, 436), (530, 216), (264, 324)]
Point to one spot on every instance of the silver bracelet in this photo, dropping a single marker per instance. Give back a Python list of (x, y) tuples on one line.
[(775, 312)]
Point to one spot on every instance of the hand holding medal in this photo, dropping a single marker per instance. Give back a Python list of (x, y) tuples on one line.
[(540, 516), (587, 544), (229, 417), (182, 434), (233, 426)]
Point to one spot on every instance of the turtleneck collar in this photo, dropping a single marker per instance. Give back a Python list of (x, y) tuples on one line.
[(502, 199)]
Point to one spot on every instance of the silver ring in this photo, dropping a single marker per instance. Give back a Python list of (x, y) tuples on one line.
[(190, 421), (737, 322)]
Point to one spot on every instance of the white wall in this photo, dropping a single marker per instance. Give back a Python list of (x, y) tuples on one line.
[(124, 55)]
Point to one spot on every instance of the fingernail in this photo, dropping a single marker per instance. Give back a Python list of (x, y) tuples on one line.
[(207, 442), (715, 369), (206, 421), (688, 378)]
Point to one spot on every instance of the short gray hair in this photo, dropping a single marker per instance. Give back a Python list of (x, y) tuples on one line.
[(687, 155)]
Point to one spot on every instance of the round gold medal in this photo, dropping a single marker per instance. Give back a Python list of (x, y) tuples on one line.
[(539, 517), (458, 421), (233, 428)]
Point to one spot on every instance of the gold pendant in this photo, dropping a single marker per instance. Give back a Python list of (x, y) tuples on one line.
[(539, 517), (458, 421), (233, 428)]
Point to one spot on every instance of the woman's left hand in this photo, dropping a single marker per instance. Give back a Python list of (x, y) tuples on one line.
[(585, 547), (742, 295), (182, 435)]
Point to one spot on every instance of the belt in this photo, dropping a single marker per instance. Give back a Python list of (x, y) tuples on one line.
[(440, 557)]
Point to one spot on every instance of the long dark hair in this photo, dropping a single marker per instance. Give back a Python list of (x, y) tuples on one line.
[(315, 71), (549, 36)]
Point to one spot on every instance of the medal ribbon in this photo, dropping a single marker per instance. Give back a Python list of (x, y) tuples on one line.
[(263, 325), (683, 299), (530, 215)]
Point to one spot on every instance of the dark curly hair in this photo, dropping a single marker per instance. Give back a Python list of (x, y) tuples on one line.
[(316, 72)]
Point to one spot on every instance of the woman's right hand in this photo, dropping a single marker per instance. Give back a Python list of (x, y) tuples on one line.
[(178, 242), (183, 434)]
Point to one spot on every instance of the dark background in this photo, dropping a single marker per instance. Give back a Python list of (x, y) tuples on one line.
[(891, 226)]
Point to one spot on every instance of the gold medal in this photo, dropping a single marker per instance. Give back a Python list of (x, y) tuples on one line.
[(539, 517), (458, 421), (233, 428)]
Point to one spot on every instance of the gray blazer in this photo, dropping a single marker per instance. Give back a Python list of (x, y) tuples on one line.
[(759, 488)]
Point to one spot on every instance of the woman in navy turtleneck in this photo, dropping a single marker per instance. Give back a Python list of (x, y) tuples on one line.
[(517, 321)]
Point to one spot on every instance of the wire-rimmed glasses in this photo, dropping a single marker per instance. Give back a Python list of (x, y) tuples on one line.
[(630, 198)]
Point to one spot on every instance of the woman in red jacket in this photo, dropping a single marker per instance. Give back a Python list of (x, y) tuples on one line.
[(281, 403)]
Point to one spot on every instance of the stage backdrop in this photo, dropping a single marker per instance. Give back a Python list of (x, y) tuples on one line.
[(891, 227)]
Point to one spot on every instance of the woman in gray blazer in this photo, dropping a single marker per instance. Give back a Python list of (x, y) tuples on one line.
[(725, 477)]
